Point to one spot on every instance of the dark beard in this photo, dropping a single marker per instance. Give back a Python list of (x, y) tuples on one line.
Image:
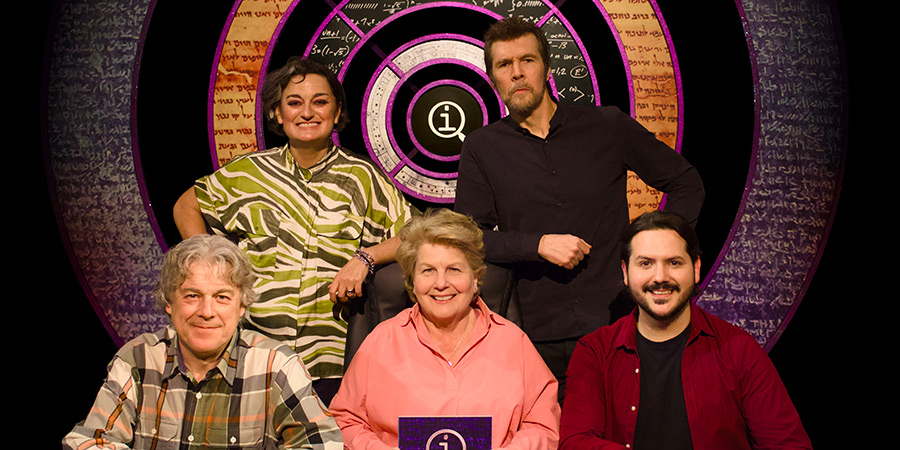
[(683, 301)]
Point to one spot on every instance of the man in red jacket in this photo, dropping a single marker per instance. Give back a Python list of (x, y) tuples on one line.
[(670, 375)]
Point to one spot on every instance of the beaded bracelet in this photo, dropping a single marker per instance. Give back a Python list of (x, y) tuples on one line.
[(366, 258)]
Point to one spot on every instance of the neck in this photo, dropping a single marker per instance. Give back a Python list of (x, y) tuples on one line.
[(307, 157), (199, 367), (660, 331), (538, 122), (449, 336)]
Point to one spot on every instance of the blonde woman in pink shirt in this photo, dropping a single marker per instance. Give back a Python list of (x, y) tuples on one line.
[(448, 355)]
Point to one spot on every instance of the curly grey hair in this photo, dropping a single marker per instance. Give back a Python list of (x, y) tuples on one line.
[(230, 264)]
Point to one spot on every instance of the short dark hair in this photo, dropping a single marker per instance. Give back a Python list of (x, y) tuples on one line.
[(661, 220), (509, 29), (278, 80)]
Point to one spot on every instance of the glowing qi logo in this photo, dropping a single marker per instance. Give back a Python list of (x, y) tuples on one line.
[(446, 131)]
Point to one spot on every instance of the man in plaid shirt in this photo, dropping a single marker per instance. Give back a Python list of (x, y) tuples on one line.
[(202, 382)]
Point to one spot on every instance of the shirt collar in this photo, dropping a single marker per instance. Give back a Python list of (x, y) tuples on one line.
[(175, 361), (287, 159), (626, 337), (559, 118), (414, 315)]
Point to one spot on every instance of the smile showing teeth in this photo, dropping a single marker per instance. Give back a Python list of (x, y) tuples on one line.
[(442, 298), (307, 124)]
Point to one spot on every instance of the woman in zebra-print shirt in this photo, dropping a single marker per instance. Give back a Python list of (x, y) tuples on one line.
[(313, 217)]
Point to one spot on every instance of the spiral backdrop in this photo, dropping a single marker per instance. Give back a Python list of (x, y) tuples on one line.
[(145, 96)]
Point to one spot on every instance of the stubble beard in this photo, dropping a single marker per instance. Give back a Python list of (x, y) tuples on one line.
[(524, 107)]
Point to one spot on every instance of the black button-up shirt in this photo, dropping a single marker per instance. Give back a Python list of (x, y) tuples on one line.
[(519, 187)]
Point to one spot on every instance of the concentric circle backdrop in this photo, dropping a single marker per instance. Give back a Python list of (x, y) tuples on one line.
[(145, 96)]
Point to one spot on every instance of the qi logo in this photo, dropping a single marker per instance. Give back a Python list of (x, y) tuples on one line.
[(446, 131), (446, 439)]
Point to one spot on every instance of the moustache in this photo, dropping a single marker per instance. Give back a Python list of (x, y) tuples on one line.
[(664, 286), (516, 87)]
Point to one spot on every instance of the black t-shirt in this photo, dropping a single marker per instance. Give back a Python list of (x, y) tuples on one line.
[(662, 418)]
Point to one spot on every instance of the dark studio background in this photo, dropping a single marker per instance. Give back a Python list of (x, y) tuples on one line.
[(71, 361)]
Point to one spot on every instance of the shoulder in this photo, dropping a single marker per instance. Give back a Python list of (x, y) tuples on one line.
[(248, 163), (155, 341), (258, 347), (731, 339), (721, 328), (147, 351), (261, 155), (481, 137), (347, 157), (384, 338), (605, 339), (593, 115)]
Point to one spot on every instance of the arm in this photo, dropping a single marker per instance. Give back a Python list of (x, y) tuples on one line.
[(352, 275), (583, 425), (112, 419), (349, 407), (662, 168), (539, 429), (386, 213), (772, 421), (298, 417), (475, 197), (188, 217)]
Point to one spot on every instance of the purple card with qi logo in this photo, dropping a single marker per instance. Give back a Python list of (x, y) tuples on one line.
[(445, 433)]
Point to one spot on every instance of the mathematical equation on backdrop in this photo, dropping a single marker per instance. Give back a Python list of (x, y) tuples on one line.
[(645, 51)]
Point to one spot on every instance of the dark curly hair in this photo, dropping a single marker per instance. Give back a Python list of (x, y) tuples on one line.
[(278, 80)]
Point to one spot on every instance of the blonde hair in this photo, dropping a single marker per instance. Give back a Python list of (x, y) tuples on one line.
[(441, 227)]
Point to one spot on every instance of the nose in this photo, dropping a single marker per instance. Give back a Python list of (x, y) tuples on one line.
[(661, 273), (306, 110), (440, 281), (206, 309), (517, 72)]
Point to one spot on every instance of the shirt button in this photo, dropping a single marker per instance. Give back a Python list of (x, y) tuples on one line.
[(191, 438), (637, 370), (233, 439), (199, 396), (153, 431), (633, 408), (627, 445)]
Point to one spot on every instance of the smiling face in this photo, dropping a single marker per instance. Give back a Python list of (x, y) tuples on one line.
[(444, 284), (308, 112), (660, 275), (205, 311), (519, 75)]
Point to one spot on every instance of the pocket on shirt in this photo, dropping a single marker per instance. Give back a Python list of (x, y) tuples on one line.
[(260, 241), (247, 437), (340, 227), (167, 435)]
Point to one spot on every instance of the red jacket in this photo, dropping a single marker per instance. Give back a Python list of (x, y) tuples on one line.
[(733, 394)]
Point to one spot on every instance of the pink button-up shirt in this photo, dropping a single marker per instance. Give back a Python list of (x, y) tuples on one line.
[(398, 371)]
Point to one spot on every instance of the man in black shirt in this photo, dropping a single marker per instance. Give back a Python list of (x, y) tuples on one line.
[(547, 184)]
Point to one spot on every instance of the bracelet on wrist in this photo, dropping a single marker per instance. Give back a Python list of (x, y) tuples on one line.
[(366, 258)]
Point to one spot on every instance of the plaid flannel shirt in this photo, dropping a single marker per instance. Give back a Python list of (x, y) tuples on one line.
[(258, 396)]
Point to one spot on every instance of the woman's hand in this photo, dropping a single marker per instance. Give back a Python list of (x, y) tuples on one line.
[(348, 282)]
